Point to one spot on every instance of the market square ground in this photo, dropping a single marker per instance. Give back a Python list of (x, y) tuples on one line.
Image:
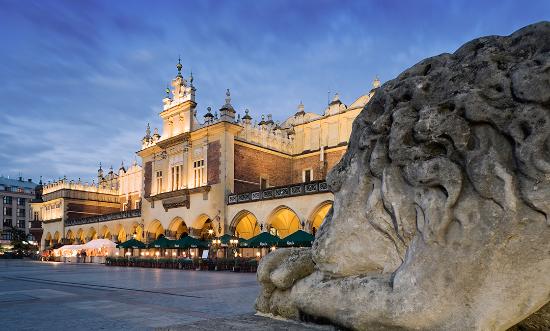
[(58, 296)]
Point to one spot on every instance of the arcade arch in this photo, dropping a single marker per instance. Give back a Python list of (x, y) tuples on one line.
[(318, 216), (245, 225), (283, 222), (155, 230), (177, 228)]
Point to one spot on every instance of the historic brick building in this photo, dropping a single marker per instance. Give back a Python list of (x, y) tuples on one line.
[(219, 171)]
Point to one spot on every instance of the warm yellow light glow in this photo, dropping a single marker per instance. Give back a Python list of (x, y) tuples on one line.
[(116, 253), (192, 254), (142, 253), (157, 253), (258, 254), (247, 226), (273, 248), (174, 254)]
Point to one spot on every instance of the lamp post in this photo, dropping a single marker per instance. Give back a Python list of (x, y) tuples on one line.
[(233, 244)]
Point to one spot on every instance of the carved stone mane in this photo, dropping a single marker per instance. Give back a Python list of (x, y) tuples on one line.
[(442, 201)]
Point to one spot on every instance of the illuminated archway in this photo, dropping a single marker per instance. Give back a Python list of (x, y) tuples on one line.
[(48, 239), (318, 216), (57, 237), (137, 232), (177, 228), (105, 232), (121, 235), (245, 225), (80, 236), (92, 234), (204, 227), (283, 221), (154, 230), (70, 237)]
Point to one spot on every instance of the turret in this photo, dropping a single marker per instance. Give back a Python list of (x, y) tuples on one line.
[(227, 113)]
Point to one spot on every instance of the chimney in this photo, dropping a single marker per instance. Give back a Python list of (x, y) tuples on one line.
[(20, 178)]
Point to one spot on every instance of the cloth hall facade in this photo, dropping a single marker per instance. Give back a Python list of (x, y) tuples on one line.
[(219, 171)]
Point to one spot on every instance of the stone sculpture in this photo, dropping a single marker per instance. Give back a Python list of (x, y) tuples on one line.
[(442, 201)]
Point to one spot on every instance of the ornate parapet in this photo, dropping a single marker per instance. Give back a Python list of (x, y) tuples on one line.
[(177, 198), (104, 218), (279, 192)]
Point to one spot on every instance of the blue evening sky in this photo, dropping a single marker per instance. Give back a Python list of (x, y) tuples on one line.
[(79, 80)]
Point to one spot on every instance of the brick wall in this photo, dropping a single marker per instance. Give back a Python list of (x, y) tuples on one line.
[(147, 178), (77, 210), (320, 169), (213, 162), (251, 164)]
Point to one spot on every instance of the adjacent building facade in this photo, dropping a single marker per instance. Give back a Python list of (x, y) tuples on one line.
[(219, 172), (15, 197)]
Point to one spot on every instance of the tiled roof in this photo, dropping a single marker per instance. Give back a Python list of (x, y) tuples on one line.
[(16, 183)]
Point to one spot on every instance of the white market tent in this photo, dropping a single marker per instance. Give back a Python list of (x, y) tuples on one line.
[(96, 247)]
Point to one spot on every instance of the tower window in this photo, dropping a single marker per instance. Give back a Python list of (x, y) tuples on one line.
[(307, 175), (159, 182), (198, 171), (263, 183), (176, 177)]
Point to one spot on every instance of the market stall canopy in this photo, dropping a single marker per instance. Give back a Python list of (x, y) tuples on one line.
[(264, 239), (162, 242), (189, 242), (132, 243), (98, 244), (299, 238), (226, 237)]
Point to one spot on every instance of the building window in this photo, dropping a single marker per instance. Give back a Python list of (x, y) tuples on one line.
[(125, 206), (176, 177), (263, 183), (21, 212), (7, 211), (8, 200), (7, 221), (138, 204), (21, 224), (307, 175), (35, 216), (159, 182), (21, 201), (20, 190), (198, 170)]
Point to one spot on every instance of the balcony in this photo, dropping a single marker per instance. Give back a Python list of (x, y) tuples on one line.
[(35, 225), (279, 192), (104, 218), (177, 198)]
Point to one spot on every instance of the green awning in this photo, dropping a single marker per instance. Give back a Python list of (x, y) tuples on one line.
[(189, 242), (299, 238), (264, 239), (226, 237), (243, 242), (132, 243), (161, 242)]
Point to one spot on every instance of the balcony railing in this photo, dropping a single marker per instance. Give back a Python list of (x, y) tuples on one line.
[(104, 218), (279, 192), (35, 225)]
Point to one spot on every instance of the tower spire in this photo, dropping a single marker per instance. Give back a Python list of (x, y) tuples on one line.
[(179, 66)]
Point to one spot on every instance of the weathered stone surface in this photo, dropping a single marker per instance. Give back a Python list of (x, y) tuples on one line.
[(442, 201)]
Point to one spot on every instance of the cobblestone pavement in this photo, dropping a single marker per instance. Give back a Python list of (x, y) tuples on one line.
[(58, 296)]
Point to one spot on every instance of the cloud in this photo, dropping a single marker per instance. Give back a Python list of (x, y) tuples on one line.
[(80, 80)]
